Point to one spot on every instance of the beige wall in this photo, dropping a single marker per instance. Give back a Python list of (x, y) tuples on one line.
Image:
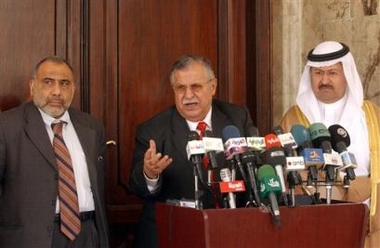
[(299, 25)]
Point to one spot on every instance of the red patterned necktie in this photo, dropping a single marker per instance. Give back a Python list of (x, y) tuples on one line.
[(202, 128), (68, 198)]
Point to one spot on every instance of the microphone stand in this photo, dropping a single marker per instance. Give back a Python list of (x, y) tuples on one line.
[(239, 164), (249, 158), (293, 179), (197, 193), (329, 181)]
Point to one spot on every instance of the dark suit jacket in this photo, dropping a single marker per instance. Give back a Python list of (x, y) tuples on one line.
[(170, 132), (28, 176)]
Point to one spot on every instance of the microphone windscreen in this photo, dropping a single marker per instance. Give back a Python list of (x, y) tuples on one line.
[(301, 135), (193, 135), (319, 133), (208, 133), (230, 132), (339, 137), (252, 132), (264, 171), (248, 157), (277, 130), (274, 156), (271, 140), (268, 180)]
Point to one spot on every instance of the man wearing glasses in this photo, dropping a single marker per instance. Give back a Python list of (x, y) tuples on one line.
[(161, 170)]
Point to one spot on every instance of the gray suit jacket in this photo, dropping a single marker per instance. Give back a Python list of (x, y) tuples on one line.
[(28, 176), (170, 132)]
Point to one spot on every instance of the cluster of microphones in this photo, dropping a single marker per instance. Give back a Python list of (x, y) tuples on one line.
[(269, 167)]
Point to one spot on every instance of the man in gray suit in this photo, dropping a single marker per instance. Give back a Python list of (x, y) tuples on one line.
[(30, 196), (161, 170)]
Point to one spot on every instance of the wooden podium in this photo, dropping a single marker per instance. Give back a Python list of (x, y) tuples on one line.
[(311, 226)]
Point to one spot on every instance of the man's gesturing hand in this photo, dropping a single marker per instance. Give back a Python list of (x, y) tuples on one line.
[(155, 163)]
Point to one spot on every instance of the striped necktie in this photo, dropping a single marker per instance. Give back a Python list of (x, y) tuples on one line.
[(68, 198)]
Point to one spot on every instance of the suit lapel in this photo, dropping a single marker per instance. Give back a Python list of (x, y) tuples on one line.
[(35, 128), (180, 131), (219, 121)]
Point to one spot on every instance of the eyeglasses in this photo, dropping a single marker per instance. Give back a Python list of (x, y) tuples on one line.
[(196, 87)]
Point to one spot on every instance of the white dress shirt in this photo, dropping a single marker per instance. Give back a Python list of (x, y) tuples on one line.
[(78, 159)]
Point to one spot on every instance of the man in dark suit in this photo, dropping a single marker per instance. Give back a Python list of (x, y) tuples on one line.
[(31, 201), (161, 170)]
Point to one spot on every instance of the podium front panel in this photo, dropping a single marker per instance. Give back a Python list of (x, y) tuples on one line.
[(335, 225)]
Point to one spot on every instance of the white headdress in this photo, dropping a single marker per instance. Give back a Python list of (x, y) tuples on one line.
[(347, 111), (326, 54)]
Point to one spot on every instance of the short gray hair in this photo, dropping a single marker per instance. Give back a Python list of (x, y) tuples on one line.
[(185, 60)]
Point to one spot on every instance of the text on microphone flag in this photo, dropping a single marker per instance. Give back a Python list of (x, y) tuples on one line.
[(232, 186), (277, 153), (348, 160), (295, 163), (313, 156), (272, 141), (256, 143), (272, 182), (287, 139), (234, 142), (194, 147), (333, 159), (235, 146), (213, 144)]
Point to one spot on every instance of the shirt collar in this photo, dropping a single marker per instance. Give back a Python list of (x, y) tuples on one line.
[(48, 120), (193, 125)]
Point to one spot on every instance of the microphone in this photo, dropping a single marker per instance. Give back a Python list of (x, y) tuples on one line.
[(275, 156), (212, 146), (321, 138), (293, 163), (286, 139), (225, 175), (251, 159), (255, 144), (248, 158), (252, 131), (313, 157), (234, 147), (271, 140), (233, 143), (270, 186), (195, 150), (340, 140), (277, 130), (302, 137)]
